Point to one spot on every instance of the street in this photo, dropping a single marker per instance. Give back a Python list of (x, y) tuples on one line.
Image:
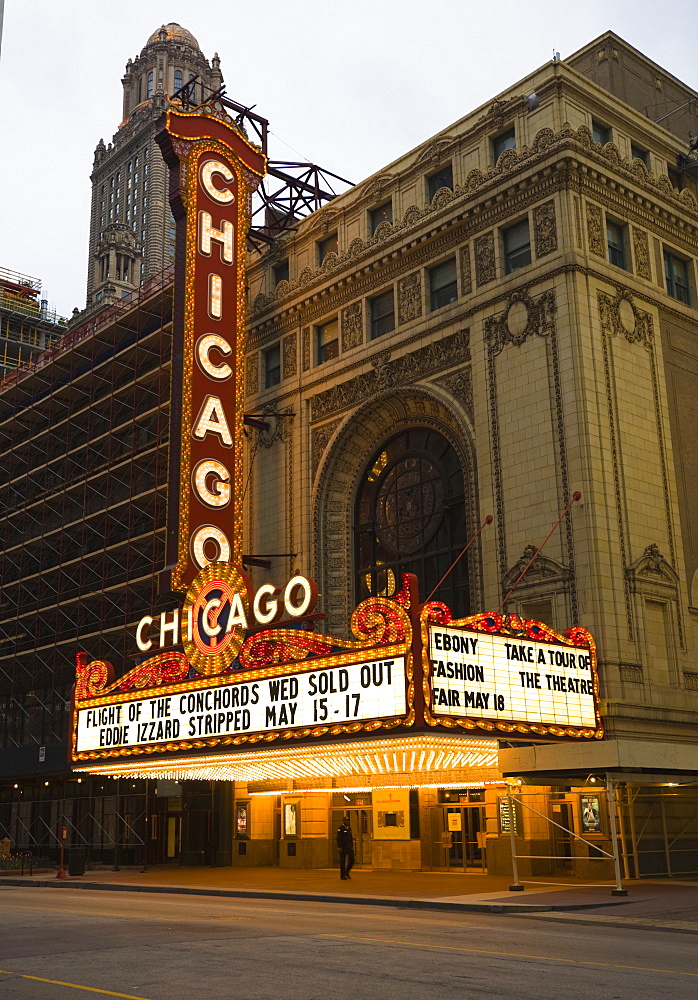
[(63, 943)]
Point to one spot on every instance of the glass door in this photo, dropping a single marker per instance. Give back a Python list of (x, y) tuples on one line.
[(458, 838)]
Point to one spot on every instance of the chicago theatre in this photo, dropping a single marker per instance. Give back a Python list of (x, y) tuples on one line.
[(370, 500)]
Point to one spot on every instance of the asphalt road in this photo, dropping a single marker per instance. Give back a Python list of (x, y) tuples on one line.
[(58, 944)]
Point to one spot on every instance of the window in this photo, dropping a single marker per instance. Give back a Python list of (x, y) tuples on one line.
[(382, 314), (149, 92), (443, 286), (601, 133), (675, 177), (178, 80), (410, 517), (615, 238), (384, 213), (272, 366), (676, 271), (441, 179), (328, 245), (517, 246), (280, 271), (327, 341), (505, 140), (638, 153)]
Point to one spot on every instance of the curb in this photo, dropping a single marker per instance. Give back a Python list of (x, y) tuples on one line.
[(398, 902), (305, 897)]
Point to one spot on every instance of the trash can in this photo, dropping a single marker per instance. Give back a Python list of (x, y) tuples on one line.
[(76, 861)]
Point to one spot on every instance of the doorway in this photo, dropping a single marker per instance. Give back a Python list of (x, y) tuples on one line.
[(561, 814), (361, 823), (458, 838)]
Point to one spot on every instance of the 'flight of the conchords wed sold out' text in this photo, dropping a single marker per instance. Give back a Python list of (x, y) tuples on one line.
[(358, 691)]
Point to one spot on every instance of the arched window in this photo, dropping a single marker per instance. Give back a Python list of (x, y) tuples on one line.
[(150, 84), (410, 518), (177, 80)]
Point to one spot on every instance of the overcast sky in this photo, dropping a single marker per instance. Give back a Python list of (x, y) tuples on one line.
[(350, 86)]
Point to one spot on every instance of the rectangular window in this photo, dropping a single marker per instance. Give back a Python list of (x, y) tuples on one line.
[(600, 132), (443, 285), (616, 243), (517, 246), (505, 140), (384, 213), (382, 314), (441, 179), (327, 341), (676, 271), (328, 245), (272, 366), (638, 153), (280, 271)]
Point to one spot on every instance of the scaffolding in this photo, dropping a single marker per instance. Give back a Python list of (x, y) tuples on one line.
[(84, 432)]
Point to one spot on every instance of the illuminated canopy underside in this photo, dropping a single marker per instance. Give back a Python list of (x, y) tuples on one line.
[(407, 761)]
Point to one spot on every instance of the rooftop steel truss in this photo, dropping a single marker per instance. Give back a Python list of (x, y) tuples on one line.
[(291, 189)]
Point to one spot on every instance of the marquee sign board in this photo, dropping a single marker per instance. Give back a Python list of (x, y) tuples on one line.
[(229, 683), (356, 692), (211, 677), (213, 172), (503, 673)]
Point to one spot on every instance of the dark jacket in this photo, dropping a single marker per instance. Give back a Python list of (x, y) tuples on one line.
[(345, 839)]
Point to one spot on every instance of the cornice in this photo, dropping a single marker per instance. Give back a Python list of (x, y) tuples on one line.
[(546, 145)]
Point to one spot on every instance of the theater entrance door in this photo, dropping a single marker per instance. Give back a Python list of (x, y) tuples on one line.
[(458, 838)]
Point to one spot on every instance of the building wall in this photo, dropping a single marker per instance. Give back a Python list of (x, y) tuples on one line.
[(549, 379)]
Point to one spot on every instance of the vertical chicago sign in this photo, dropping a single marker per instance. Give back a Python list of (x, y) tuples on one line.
[(213, 173)]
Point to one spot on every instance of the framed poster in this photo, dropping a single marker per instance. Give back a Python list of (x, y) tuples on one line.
[(591, 814), (292, 819), (241, 819)]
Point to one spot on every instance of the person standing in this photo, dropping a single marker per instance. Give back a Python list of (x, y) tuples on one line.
[(345, 843)]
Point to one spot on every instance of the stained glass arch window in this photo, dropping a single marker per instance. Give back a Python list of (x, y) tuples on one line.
[(410, 517)]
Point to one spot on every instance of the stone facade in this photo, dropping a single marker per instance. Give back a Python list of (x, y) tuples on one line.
[(564, 369)]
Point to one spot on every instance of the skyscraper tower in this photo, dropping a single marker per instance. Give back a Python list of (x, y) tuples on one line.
[(131, 227)]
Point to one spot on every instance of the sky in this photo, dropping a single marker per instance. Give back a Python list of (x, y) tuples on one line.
[(350, 86)]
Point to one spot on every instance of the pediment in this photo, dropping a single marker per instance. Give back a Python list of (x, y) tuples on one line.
[(436, 149), (543, 570)]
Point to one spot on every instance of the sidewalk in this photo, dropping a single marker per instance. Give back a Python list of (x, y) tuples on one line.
[(660, 904)]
